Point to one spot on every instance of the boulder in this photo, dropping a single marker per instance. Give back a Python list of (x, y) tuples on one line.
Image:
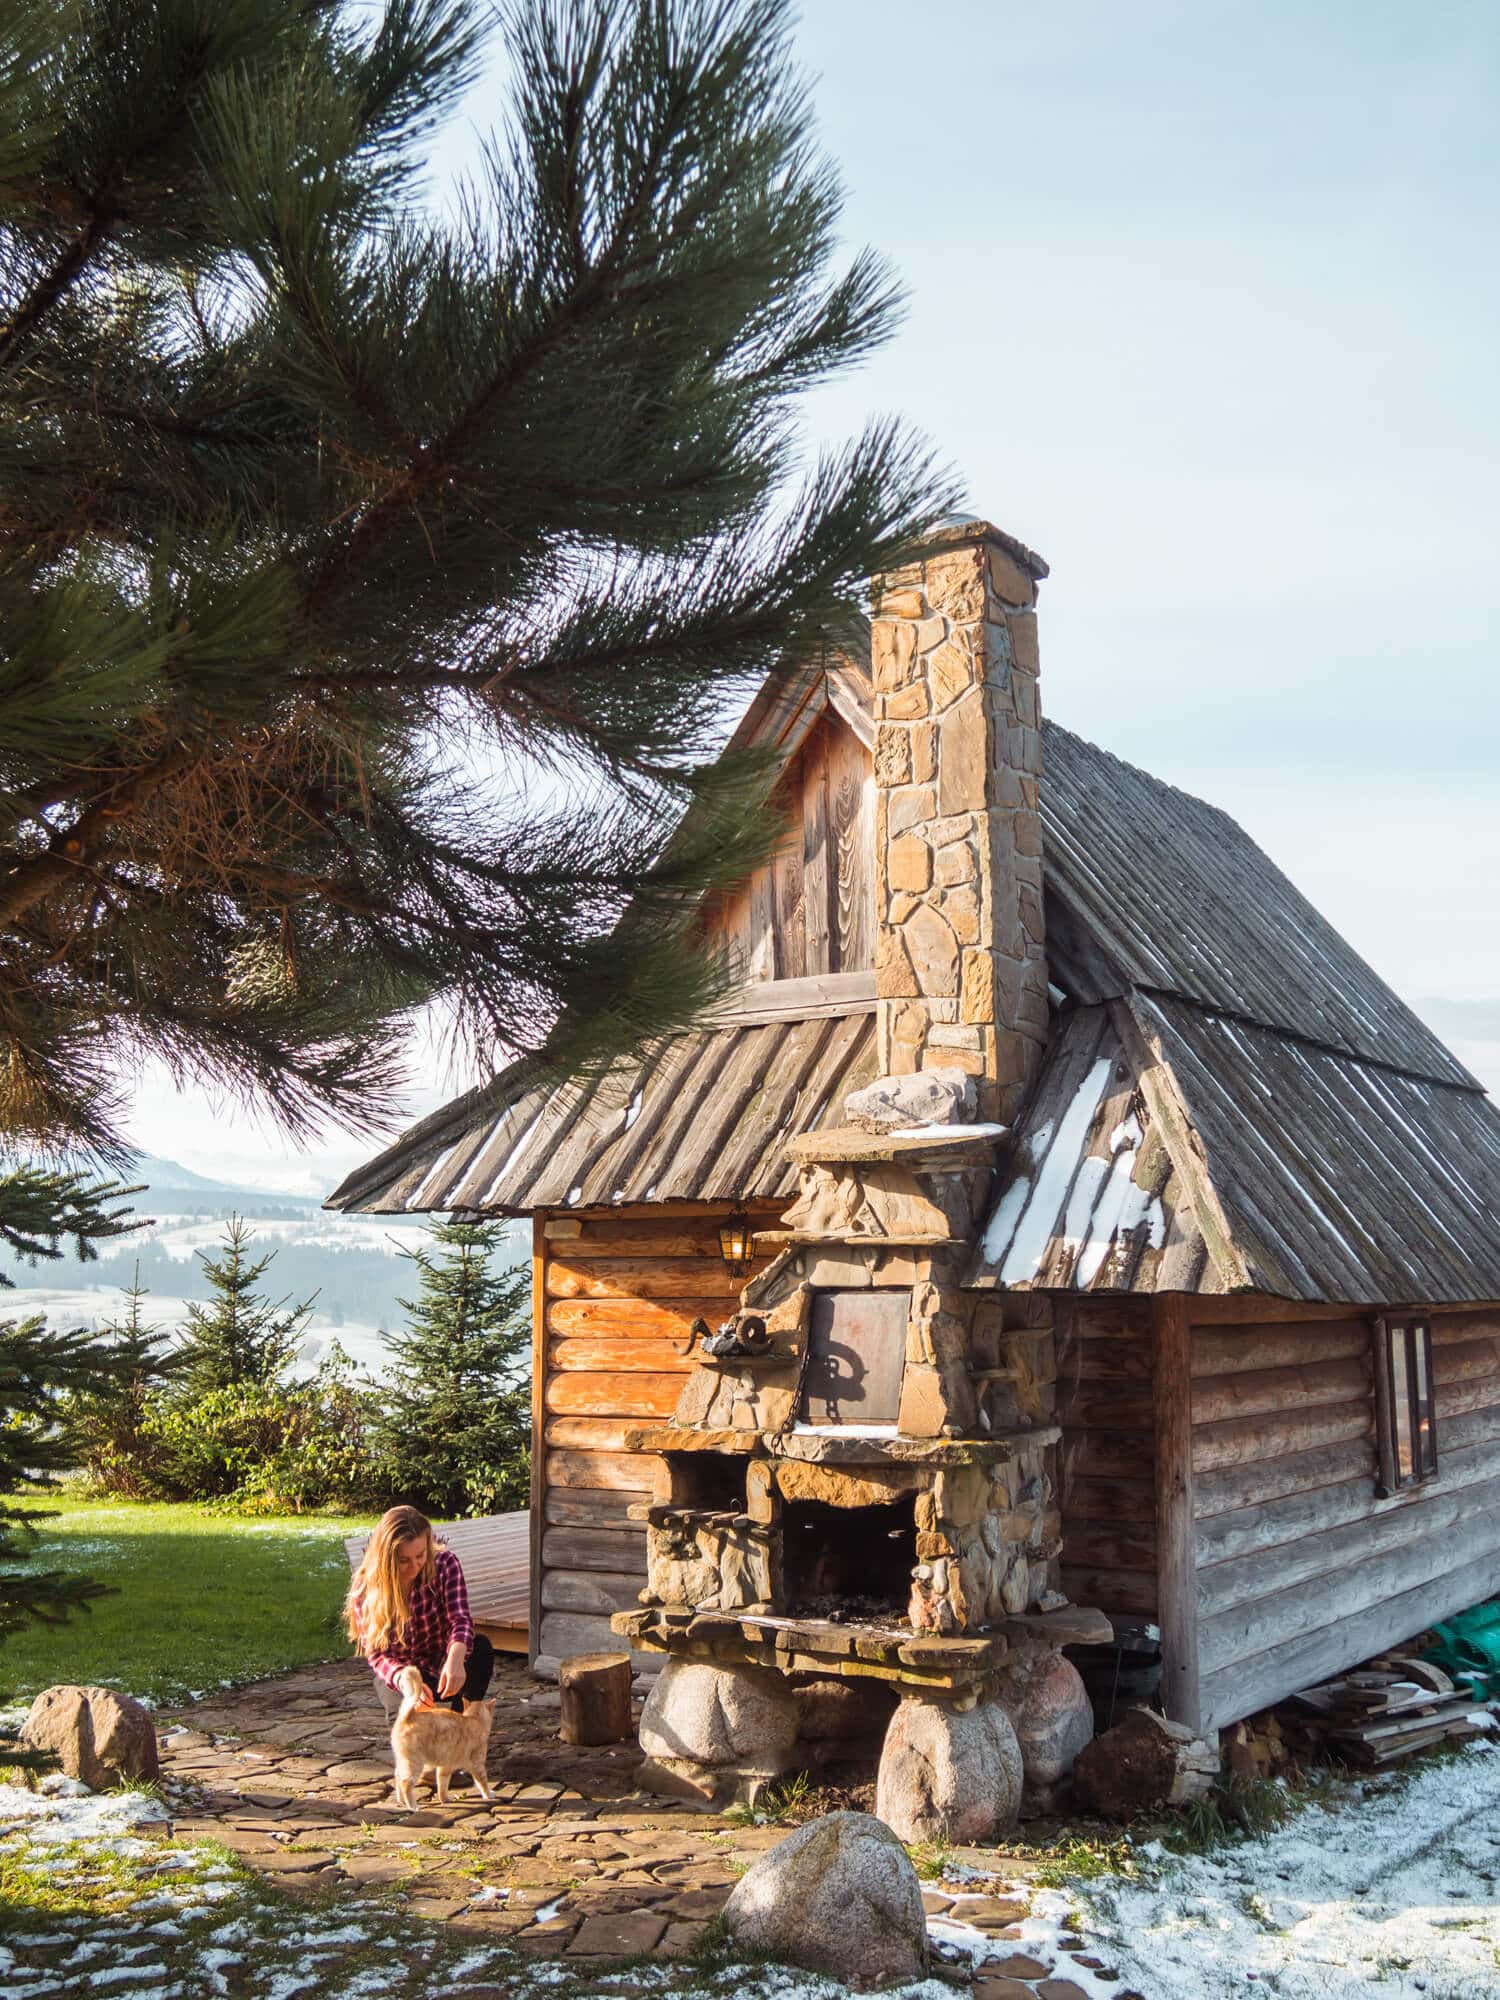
[(97, 1735), (730, 1718), (928, 1097), (1053, 1721), (949, 1775), (839, 1896)]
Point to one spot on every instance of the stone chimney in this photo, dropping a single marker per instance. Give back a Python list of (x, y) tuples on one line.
[(961, 968)]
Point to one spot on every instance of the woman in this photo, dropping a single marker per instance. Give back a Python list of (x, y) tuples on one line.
[(408, 1613)]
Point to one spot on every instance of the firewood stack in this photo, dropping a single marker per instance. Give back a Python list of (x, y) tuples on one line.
[(1385, 1711)]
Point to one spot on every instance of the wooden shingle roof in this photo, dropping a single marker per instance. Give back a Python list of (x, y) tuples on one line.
[(1169, 1148), (1233, 1099), (706, 1118)]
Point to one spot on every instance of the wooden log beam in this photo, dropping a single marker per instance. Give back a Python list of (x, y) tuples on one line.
[(1259, 1392), (1331, 1643), (1358, 1585), (1242, 1439), (1351, 1539), (1232, 1488), (1238, 1350), (1177, 1604)]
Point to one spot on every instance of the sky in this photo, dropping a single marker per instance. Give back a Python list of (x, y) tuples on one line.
[(1202, 304)]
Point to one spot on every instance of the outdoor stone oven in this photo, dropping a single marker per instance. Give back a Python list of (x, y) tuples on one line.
[(856, 1486)]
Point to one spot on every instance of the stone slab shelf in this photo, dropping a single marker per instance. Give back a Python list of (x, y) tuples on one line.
[(948, 1146), (799, 1239), (833, 1447), (944, 1666)]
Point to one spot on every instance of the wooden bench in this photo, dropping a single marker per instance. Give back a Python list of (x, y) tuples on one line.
[(495, 1551)]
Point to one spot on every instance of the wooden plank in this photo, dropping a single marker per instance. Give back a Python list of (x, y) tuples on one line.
[(597, 1468), (1095, 1360), (565, 1633), (625, 1394), (1114, 1591), (538, 1457), (1272, 1436), (1259, 1308), (623, 1319), (642, 1278), (1261, 1391), (760, 961), (1331, 1646), (596, 1507), (594, 1357), (1109, 1499), (799, 999), (1101, 1545), (597, 1593), (1109, 1454), (1358, 1586), (820, 952), (594, 1548), (1234, 1351), (851, 814), (1234, 1488), (678, 1238), (1175, 1558), (603, 1434), (1380, 1527), (1098, 1406), (791, 941)]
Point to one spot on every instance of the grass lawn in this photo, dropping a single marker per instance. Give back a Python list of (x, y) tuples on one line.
[(201, 1599)]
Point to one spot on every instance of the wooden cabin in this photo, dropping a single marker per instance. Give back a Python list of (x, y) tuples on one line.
[(1249, 1199)]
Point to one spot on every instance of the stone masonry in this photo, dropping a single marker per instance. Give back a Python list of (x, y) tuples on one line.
[(960, 962)]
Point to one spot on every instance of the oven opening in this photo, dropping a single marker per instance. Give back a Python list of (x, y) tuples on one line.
[(849, 1564)]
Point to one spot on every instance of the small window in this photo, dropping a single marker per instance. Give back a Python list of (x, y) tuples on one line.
[(1406, 1429)]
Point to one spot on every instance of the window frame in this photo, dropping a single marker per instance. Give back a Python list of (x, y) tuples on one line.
[(1404, 1400)]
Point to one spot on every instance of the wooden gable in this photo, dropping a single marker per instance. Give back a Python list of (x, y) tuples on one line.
[(810, 911)]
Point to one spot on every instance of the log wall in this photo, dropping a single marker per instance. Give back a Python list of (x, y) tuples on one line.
[(615, 1296), (1301, 1570), (1106, 1461)]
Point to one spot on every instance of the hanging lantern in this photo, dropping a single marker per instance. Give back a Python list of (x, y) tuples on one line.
[(735, 1243)]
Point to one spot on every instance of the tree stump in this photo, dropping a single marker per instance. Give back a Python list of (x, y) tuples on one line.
[(1144, 1762), (595, 1689)]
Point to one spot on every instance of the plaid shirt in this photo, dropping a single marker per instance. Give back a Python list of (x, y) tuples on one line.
[(439, 1619)]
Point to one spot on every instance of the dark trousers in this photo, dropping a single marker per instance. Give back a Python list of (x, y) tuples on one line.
[(480, 1665)]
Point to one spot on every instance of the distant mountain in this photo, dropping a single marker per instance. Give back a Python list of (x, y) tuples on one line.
[(355, 1267), (174, 1189)]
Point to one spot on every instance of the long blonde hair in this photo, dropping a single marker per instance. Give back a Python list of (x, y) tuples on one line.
[(377, 1610)]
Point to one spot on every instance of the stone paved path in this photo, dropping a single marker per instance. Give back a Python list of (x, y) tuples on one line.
[(571, 1862)]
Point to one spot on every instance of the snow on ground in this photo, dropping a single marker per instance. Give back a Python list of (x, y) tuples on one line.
[(1392, 1895), (1386, 1893)]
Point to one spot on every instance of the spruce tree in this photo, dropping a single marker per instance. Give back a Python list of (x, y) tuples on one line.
[(318, 498), (239, 1337), (457, 1423), (105, 1414), (44, 1212)]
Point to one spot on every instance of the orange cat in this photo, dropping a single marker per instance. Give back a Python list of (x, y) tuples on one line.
[(442, 1741)]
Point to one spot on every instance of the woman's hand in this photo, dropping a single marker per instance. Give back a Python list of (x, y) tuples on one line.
[(455, 1668)]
